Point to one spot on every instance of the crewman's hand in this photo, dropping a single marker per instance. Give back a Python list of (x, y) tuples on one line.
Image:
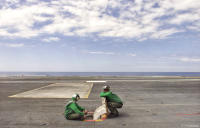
[(85, 112)]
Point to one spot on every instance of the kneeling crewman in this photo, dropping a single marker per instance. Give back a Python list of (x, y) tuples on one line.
[(73, 111), (113, 101)]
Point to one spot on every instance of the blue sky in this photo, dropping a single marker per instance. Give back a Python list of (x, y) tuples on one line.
[(100, 35)]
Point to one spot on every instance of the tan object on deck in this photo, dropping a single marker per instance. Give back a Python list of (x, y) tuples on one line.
[(101, 111)]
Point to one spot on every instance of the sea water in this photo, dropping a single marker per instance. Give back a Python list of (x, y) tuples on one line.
[(189, 74)]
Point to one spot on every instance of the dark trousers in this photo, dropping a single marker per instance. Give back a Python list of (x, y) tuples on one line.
[(112, 106), (75, 116)]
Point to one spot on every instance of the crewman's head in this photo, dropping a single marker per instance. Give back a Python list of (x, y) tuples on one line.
[(106, 88), (75, 97)]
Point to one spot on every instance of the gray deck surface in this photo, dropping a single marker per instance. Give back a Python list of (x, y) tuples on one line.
[(148, 103)]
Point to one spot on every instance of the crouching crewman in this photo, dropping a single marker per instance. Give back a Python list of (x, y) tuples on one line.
[(73, 111), (113, 101)]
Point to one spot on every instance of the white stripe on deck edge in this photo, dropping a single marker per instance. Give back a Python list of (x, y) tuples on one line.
[(93, 81)]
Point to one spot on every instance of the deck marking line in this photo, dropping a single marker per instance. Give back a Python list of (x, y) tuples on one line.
[(89, 91), (30, 90)]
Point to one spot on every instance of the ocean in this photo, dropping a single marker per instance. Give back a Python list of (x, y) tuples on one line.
[(185, 74)]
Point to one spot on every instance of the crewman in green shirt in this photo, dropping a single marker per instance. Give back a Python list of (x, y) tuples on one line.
[(73, 111), (113, 101)]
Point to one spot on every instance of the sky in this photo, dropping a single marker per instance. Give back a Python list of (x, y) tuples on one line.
[(100, 35)]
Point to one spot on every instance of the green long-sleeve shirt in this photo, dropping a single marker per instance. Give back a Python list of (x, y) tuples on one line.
[(111, 97), (73, 107)]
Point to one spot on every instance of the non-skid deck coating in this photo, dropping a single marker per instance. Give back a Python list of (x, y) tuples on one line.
[(147, 104), (58, 90)]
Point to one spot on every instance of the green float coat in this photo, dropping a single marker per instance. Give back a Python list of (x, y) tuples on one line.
[(73, 107), (110, 97)]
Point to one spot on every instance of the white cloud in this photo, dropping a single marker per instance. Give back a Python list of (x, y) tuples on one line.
[(184, 5), (101, 53), (51, 39), (22, 20), (188, 17), (164, 33), (132, 54), (32, 0), (186, 59), (106, 18), (12, 45), (195, 26)]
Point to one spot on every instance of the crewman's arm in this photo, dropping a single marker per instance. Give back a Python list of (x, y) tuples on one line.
[(75, 108), (80, 108), (104, 94)]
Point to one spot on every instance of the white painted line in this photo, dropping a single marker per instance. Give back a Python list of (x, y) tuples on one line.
[(190, 126), (29, 91), (58, 90), (96, 81)]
